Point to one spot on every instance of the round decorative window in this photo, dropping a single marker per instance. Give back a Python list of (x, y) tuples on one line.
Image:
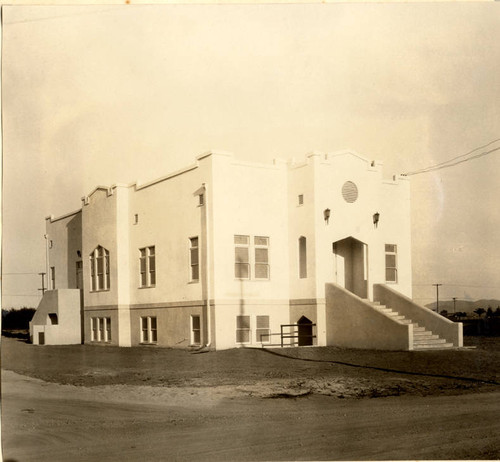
[(350, 192)]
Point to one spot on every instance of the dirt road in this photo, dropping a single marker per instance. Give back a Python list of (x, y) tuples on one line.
[(44, 421)]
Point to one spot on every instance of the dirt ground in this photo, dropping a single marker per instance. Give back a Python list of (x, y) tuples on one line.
[(84, 403)]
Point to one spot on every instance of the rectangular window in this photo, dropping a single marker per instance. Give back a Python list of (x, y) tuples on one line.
[(194, 259), (261, 257), (241, 257), (149, 333), (256, 257), (302, 257), (53, 277), (99, 269), (242, 329), (195, 330), (147, 266), (301, 199), (263, 332), (100, 329), (391, 269)]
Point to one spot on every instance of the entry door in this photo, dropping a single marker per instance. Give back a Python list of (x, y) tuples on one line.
[(350, 265)]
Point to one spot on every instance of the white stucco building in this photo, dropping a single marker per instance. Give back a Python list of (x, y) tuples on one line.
[(226, 253)]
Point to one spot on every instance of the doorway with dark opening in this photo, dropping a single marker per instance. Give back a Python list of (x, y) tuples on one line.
[(305, 331), (351, 265)]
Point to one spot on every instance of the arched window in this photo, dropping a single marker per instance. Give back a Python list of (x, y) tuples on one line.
[(99, 269), (302, 257)]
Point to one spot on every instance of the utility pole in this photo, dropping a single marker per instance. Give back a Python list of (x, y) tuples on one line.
[(43, 283), (454, 302), (437, 296)]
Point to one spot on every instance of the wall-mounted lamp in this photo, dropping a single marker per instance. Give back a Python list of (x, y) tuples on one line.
[(376, 217), (326, 215), (51, 243)]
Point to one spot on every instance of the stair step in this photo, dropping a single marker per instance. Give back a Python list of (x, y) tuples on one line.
[(422, 333), (428, 339), (439, 346), (405, 321)]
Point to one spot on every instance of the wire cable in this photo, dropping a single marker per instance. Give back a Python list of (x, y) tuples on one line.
[(456, 160)]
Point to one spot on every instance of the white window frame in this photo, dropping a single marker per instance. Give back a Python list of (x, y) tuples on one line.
[(195, 332), (393, 252), (100, 329), (266, 264), (244, 329), (147, 261), (259, 331), (239, 244), (250, 243), (191, 264), (94, 259), (149, 334)]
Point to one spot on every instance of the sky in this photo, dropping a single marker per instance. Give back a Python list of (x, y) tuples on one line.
[(97, 95)]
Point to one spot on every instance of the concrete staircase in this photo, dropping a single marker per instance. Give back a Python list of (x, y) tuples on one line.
[(422, 339)]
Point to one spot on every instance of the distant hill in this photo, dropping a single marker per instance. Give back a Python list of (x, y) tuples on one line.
[(466, 306)]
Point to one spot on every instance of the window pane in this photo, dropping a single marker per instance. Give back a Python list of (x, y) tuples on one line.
[(260, 240), (143, 279), (262, 322), (261, 271), (390, 248), (153, 323), (241, 254), (100, 281), (144, 322), (152, 250), (263, 335), (152, 263), (302, 257), (241, 240), (196, 337), (242, 336), (194, 241), (243, 322), (143, 252), (242, 270), (390, 274), (196, 322), (195, 273), (154, 336), (261, 256), (152, 278), (390, 261), (143, 265), (100, 265), (194, 256)]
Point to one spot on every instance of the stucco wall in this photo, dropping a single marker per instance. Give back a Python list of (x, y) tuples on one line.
[(227, 311), (249, 200), (437, 324), (173, 324), (65, 303), (352, 322), (65, 235)]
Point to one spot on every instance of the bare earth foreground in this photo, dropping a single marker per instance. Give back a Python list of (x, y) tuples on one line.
[(83, 403)]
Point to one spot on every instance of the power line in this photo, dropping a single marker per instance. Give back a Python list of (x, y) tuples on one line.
[(455, 160), (14, 274)]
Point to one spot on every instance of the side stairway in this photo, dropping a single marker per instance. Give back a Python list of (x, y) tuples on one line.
[(422, 339)]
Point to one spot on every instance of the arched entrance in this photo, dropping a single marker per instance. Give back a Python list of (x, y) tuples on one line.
[(351, 265), (305, 328)]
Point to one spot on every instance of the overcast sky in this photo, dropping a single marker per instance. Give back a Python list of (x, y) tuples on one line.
[(104, 94)]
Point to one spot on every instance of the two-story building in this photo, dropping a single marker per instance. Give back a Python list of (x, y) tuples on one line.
[(227, 253)]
